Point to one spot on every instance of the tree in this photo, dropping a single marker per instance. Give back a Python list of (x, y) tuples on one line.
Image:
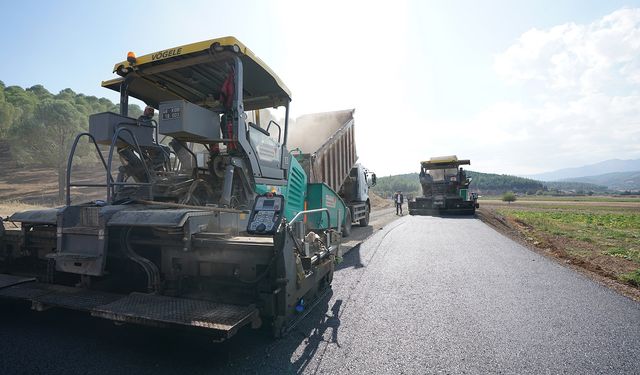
[(19, 107), (6, 113), (40, 126), (509, 197), (45, 139), (40, 92)]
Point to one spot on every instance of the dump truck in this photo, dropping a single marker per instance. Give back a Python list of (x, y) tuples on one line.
[(324, 144), (175, 242), (445, 188)]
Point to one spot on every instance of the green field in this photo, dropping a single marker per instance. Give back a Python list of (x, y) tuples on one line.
[(546, 198), (606, 235)]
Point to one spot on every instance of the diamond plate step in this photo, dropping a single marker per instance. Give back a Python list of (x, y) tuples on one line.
[(138, 308), (147, 308)]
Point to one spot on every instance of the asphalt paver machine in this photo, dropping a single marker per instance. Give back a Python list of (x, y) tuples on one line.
[(445, 188), (203, 221)]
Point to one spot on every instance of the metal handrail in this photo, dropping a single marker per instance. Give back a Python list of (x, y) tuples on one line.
[(279, 129), (114, 141), (70, 163), (311, 212)]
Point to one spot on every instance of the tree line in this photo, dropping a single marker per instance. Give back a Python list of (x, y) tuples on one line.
[(408, 184), (488, 184), (491, 183), (483, 183), (39, 126)]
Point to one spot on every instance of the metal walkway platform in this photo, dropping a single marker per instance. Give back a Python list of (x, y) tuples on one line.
[(50, 295), (147, 308), (139, 308), (9, 280)]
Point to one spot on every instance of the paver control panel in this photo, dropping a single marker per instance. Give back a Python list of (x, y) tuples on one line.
[(266, 214)]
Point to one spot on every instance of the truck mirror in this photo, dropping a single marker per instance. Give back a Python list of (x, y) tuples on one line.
[(373, 180)]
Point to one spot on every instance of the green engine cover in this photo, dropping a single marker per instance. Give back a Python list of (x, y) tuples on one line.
[(294, 191), (463, 194), (320, 195)]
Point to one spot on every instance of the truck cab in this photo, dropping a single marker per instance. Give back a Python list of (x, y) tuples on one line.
[(355, 192)]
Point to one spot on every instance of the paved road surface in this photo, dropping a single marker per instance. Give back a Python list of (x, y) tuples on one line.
[(423, 295)]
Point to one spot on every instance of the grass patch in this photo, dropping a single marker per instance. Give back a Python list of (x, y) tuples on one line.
[(579, 198), (578, 252), (535, 198), (609, 232), (630, 254), (632, 278)]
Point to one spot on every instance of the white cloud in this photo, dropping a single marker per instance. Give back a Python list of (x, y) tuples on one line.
[(512, 138), (583, 106), (589, 58), (575, 99)]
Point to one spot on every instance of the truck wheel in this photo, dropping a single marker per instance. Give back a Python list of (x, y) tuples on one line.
[(365, 220), (346, 226)]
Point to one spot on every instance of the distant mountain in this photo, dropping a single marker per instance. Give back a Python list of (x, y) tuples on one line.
[(604, 167), (621, 181), (575, 186)]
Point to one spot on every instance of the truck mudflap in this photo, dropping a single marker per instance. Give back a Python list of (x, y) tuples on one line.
[(222, 320)]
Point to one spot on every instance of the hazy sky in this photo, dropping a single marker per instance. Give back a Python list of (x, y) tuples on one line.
[(517, 88)]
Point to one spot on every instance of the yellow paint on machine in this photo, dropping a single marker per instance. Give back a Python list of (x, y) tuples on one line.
[(195, 48)]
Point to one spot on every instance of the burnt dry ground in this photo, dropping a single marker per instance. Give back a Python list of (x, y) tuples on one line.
[(31, 186), (577, 252), (39, 186)]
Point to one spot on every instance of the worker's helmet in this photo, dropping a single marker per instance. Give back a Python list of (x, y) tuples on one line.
[(149, 111)]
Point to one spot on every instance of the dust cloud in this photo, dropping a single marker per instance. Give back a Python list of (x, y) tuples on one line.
[(310, 132)]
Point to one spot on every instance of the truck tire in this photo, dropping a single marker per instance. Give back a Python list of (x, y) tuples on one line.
[(346, 226), (365, 220)]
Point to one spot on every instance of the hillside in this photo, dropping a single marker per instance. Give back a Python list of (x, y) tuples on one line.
[(37, 128), (575, 186), (604, 167), (482, 183), (489, 183), (618, 181), (407, 183)]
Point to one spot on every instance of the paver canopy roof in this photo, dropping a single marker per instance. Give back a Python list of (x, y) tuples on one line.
[(196, 73)]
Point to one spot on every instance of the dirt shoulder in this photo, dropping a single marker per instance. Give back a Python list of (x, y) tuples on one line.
[(382, 213), (601, 268)]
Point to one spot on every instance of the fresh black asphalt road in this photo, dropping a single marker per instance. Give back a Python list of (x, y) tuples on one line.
[(422, 295)]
